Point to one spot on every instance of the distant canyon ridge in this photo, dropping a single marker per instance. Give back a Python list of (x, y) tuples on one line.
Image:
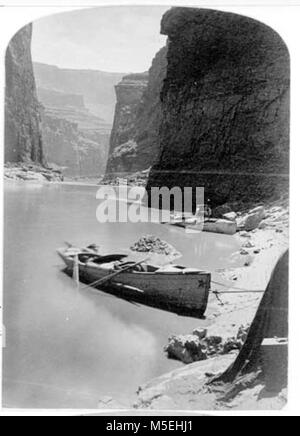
[(77, 116), (212, 111)]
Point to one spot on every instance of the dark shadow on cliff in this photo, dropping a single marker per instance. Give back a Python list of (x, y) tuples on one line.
[(23, 139), (225, 108)]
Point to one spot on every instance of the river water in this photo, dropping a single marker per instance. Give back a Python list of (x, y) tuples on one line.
[(67, 348)]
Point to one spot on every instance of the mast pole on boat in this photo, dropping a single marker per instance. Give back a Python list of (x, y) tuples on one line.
[(76, 270)]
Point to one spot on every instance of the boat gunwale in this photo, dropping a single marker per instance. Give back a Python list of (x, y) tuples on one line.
[(182, 306), (96, 267)]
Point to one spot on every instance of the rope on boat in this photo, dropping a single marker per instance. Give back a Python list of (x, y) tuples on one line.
[(237, 290)]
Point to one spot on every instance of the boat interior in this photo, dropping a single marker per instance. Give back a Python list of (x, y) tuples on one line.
[(118, 261), (98, 259)]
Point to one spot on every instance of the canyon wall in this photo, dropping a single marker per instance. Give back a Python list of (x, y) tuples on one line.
[(78, 153), (96, 87), (123, 147), (225, 107), (23, 139), (134, 139)]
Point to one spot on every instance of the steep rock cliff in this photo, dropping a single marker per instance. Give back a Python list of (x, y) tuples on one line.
[(81, 153), (134, 139), (225, 107), (122, 153), (96, 87), (73, 138), (23, 140)]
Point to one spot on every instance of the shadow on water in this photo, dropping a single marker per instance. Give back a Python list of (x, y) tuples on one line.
[(68, 348)]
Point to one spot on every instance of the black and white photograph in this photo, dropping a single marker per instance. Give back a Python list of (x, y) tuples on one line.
[(146, 193)]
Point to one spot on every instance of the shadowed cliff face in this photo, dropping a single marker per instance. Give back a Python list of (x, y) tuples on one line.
[(225, 107), (122, 153), (134, 139), (74, 139), (81, 153), (23, 142)]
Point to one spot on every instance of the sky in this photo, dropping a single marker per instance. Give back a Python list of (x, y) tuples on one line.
[(113, 39)]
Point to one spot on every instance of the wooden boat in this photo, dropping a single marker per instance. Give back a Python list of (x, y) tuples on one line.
[(172, 287), (223, 226), (212, 225)]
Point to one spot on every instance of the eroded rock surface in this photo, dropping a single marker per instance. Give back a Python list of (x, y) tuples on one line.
[(225, 107), (201, 346), (134, 140), (78, 152), (23, 139)]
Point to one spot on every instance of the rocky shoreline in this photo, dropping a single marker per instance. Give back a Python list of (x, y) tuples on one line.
[(209, 351), (263, 235), (133, 179), (31, 173), (215, 347)]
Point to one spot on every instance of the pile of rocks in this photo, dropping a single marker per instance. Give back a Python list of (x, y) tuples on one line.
[(139, 179), (270, 217), (199, 346), (258, 218), (245, 222), (152, 244)]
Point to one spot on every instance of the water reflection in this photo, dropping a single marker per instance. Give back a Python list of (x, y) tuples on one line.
[(67, 348)]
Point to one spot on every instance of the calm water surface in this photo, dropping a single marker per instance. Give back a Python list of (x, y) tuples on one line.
[(67, 348)]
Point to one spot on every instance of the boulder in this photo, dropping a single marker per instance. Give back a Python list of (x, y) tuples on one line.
[(200, 333), (259, 210), (199, 346), (252, 220), (187, 349), (220, 211), (231, 216)]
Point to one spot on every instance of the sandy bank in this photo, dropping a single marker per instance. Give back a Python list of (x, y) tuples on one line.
[(186, 387)]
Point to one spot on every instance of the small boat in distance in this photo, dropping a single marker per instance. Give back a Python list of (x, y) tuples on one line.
[(202, 221), (211, 225), (175, 288)]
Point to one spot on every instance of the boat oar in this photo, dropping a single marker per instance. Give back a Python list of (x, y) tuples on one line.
[(115, 274), (76, 270)]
